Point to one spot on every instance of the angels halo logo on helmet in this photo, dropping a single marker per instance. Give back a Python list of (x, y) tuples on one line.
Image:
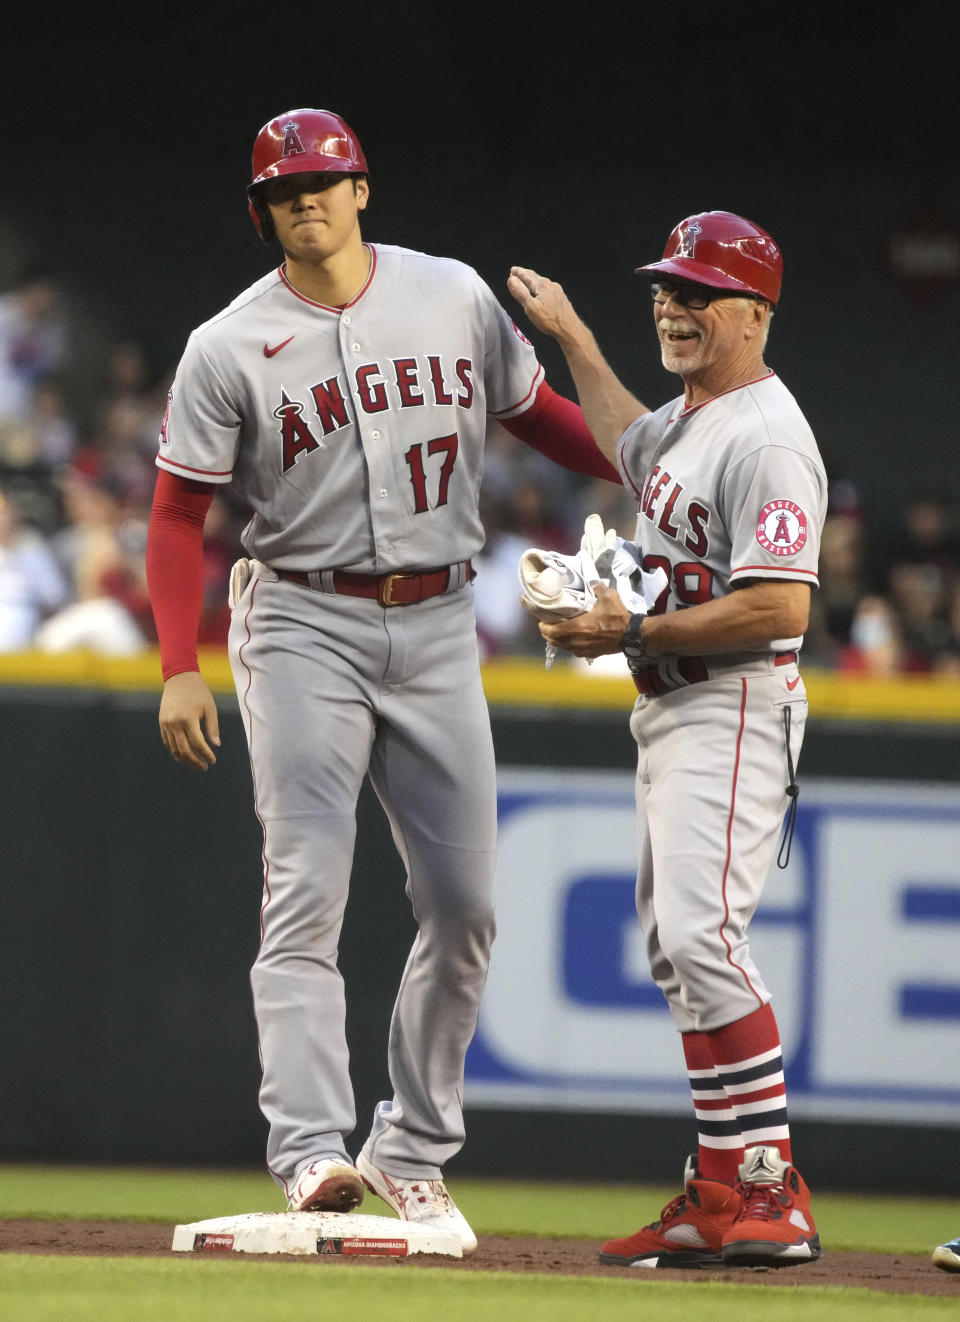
[(723, 251), (300, 142), (687, 238)]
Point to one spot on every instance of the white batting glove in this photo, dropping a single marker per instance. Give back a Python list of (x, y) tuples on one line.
[(553, 585), (554, 588), (558, 587), (621, 565)]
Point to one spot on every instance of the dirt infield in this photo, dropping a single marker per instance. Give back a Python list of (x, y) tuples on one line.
[(564, 1257)]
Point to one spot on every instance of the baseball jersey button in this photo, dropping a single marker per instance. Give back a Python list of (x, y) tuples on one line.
[(355, 348), (383, 491), (375, 435), (348, 321)]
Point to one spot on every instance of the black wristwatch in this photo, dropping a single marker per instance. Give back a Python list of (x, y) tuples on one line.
[(633, 645)]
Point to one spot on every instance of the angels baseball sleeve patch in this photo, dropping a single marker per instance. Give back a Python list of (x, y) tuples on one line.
[(782, 528)]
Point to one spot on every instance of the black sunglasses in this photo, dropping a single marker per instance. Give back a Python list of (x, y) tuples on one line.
[(695, 297)]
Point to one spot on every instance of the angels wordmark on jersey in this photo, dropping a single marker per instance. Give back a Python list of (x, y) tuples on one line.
[(354, 448), (711, 486)]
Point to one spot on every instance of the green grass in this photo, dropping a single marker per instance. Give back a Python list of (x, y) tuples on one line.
[(44, 1289), (51, 1288), (575, 1211)]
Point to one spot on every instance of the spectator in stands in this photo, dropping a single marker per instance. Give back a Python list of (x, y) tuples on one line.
[(102, 551), (921, 594), (929, 534), (32, 585), (843, 585), (33, 338), (875, 645), (537, 520), (503, 626), (33, 449), (615, 504), (54, 431), (922, 576), (126, 371)]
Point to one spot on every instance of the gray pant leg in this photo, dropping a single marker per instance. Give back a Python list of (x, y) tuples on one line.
[(433, 769), (711, 794), (306, 1096), (309, 728)]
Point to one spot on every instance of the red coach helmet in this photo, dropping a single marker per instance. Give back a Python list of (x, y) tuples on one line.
[(724, 251), (300, 142)]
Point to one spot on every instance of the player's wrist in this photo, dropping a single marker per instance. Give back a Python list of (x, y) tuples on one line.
[(634, 644)]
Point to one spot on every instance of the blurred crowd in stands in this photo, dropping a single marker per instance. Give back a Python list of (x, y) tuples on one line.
[(76, 489)]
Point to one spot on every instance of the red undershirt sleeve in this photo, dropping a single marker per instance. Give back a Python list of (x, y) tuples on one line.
[(175, 567), (555, 426)]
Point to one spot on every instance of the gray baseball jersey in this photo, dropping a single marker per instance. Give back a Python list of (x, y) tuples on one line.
[(730, 491), (357, 436)]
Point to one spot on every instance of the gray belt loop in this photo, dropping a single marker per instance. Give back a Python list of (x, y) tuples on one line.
[(324, 579), (458, 576)]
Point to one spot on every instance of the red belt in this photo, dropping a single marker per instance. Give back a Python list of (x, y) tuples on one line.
[(650, 683), (400, 589)]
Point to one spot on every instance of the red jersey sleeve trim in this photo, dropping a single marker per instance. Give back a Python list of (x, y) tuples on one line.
[(781, 571), (204, 474), (502, 414)]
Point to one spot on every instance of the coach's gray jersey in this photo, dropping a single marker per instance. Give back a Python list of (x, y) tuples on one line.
[(729, 490), (356, 447)]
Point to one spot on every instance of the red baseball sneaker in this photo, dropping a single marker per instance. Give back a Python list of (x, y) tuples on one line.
[(689, 1232), (774, 1227)]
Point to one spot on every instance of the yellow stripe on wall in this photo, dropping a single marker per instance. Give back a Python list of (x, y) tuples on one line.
[(518, 682)]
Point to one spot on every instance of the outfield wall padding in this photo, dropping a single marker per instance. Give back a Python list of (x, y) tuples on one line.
[(131, 890)]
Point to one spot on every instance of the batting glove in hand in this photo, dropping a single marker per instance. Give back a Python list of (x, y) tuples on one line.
[(620, 565), (610, 559), (554, 587), (558, 587)]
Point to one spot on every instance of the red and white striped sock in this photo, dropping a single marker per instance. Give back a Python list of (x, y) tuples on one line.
[(720, 1146), (749, 1063)]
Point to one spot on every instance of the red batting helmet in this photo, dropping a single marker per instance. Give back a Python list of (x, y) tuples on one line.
[(300, 142), (724, 251)]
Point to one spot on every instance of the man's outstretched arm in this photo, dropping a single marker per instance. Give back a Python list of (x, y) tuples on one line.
[(608, 406)]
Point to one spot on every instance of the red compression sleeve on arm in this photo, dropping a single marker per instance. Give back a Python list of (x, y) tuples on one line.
[(175, 567), (555, 426)]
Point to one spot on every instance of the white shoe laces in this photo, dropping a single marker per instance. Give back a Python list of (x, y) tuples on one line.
[(431, 1197)]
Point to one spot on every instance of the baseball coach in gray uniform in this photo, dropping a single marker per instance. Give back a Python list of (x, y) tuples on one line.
[(731, 496)]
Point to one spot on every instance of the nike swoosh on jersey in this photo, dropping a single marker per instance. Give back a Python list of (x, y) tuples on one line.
[(792, 684), (268, 352)]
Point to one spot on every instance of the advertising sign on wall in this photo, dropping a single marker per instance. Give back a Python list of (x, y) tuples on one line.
[(858, 940)]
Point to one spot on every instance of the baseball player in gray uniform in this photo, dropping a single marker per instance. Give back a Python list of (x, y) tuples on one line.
[(347, 395), (731, 496)]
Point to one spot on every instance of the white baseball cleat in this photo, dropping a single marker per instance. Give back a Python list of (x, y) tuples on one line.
[(327, 1185), (425, 1201), (947, 1255)]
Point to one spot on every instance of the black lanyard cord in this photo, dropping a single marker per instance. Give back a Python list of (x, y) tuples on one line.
[(793, 790)]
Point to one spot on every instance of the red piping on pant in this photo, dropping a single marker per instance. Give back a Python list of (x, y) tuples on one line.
[(726, 866)]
